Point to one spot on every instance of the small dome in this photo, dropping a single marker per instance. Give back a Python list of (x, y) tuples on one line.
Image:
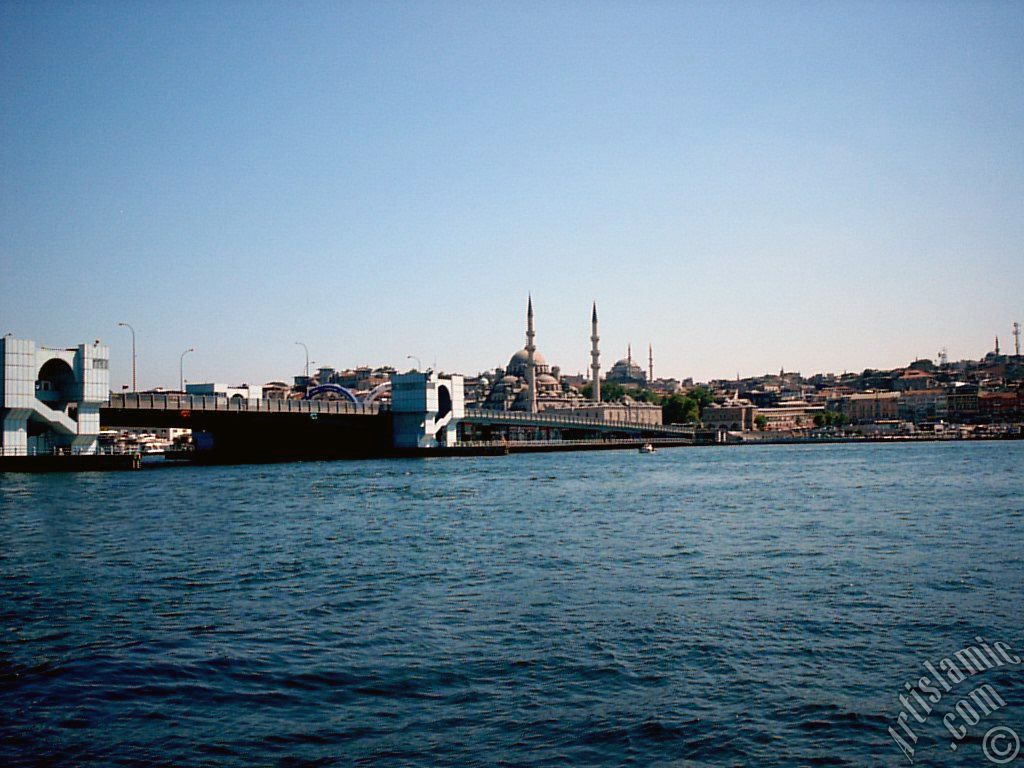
[(546, 378)]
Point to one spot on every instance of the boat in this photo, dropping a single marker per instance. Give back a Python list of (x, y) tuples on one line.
[(646, 448)]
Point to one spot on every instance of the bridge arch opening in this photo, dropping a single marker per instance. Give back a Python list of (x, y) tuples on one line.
[(55, 384), (444, 401)]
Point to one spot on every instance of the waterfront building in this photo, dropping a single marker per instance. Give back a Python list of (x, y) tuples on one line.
[(626, 409), (962, 403), (731, 416), (923, 405), (789, 416), (869, 407), (1001, 407), (50, 398)]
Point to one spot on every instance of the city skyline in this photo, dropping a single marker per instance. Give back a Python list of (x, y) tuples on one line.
[(819, 188)]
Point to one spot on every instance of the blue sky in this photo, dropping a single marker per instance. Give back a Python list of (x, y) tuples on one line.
[(746, 186)]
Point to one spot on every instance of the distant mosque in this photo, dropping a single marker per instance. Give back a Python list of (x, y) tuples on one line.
[(628, 373), (529, 384)]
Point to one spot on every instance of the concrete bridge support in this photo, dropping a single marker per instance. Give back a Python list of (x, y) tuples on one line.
[(425, 409)]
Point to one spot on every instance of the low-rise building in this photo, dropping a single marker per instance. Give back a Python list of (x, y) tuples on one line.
[(627, 410), (789, 417), (923, 405), (731, 416), (1000, 407), (869, 407), (962, 403)]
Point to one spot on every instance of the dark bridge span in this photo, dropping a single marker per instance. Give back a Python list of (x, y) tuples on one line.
[(261, 430)]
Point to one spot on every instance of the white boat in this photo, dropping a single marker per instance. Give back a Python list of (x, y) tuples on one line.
[(646, 448)]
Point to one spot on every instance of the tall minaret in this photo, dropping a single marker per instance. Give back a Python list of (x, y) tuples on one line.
[(531, 378), (997, 345), (650, 363), (595, 356)]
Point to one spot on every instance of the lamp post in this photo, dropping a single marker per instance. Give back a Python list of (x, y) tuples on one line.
[(307, 356), (126, 325), (413, 357), (181, 367)]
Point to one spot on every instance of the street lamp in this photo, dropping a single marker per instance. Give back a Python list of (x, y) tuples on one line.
[(126, 325), (307, 356), (181, 367), (413, 357)]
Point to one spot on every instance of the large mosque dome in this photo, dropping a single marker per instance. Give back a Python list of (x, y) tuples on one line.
[(520, 358)]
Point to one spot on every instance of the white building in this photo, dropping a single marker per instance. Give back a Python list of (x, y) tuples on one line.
[(50, 398), (241, 392)]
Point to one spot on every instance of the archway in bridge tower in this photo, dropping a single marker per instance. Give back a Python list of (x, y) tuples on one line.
[(331, 392), (444, 401), (56, 385)]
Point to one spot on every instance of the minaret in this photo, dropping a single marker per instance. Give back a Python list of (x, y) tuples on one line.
[(997, 345), (650, 363), (595, 355), (531, 378)]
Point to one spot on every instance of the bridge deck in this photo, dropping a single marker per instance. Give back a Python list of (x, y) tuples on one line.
[(202, 403), (159, 402)]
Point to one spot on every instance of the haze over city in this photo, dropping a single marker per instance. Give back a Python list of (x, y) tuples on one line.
[(809, 186)]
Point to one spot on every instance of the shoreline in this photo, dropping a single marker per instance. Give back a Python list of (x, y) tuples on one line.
[(135, 462)]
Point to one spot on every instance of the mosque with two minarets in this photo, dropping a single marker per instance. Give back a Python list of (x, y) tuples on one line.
[(529, 384)]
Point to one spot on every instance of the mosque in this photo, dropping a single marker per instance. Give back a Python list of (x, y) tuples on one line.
[(530, 385)]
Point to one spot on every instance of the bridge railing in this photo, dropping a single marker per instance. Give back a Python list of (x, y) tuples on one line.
[(165, 402), (511, 443), (556, 420)]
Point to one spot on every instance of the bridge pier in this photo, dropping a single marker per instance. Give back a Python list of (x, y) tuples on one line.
[(425, 409)]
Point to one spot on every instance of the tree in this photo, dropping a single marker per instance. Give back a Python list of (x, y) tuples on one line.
[(830, 419), (702, 396), (761, 421), (647, 396), (610, 391), (680, 409)]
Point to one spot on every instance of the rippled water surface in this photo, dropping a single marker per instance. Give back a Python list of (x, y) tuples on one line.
[(719, 606)]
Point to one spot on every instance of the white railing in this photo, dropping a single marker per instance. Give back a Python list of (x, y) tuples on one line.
[(512, 443), (543, 418), (162, 402), (70, 450)]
